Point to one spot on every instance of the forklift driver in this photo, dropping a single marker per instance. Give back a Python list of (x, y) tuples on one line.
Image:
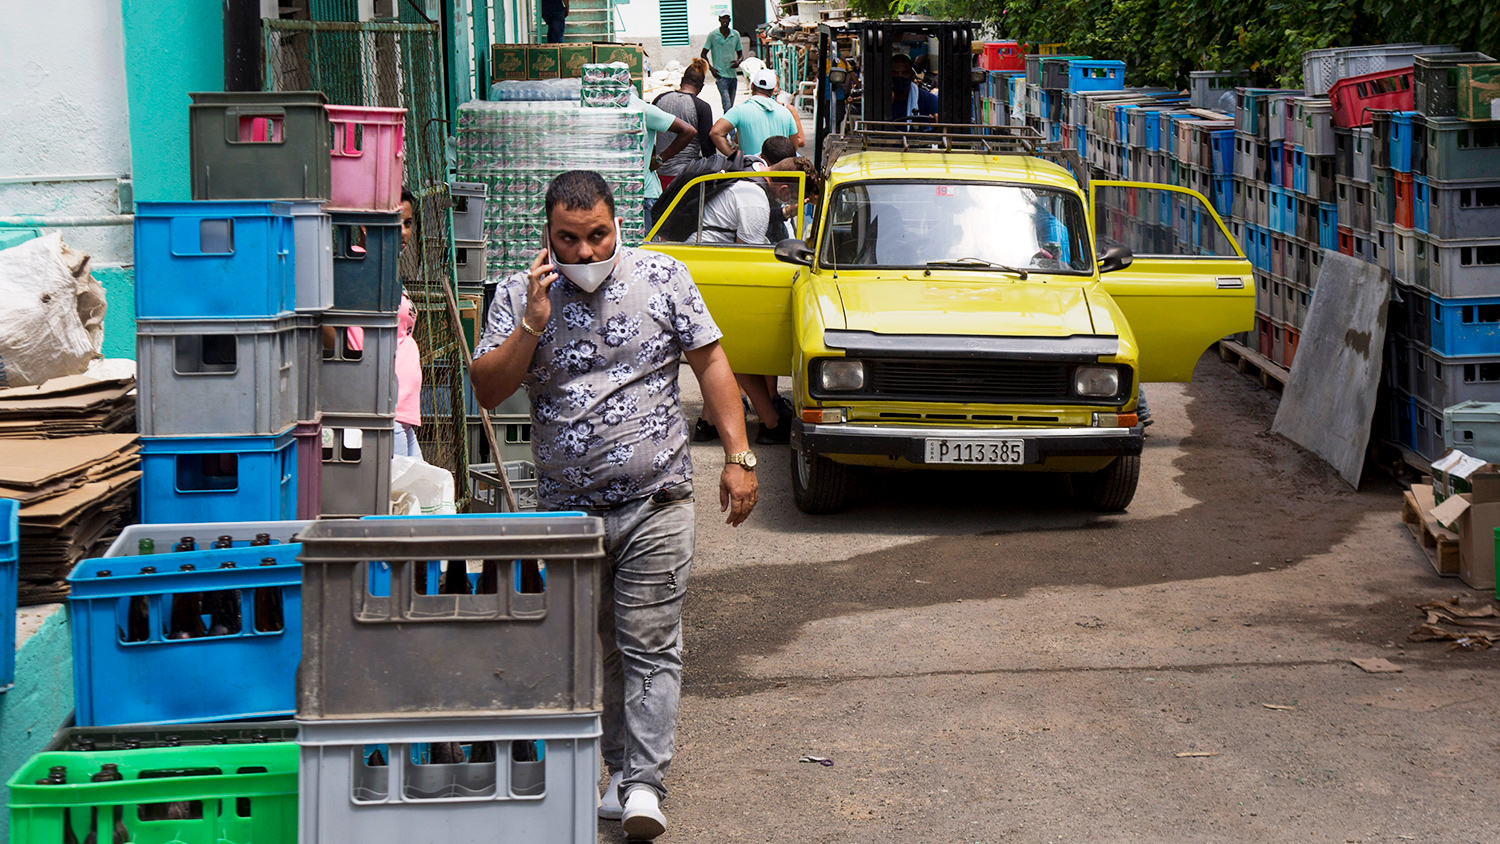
[(909, 101)]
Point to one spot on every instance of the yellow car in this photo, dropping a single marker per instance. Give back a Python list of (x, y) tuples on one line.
[(970, 310)]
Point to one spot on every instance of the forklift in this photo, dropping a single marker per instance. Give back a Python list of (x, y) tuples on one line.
[(870, 46)]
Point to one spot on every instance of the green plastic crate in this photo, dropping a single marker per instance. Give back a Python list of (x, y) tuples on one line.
[(252, 799)]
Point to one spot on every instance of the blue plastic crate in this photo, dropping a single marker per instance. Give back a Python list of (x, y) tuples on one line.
[(127, 668), (1054, 131), (1405, 409), (1465, 327), (214, 260), (1276, 208), (1122, 121), (1221, 145), (1299, 170), (366, 252), (1096, 75), (1328, 225), (1081, 137), (1421, 211), (10, 536), (1223, 197), (1273, 160), (218, 479), (1403, 132)]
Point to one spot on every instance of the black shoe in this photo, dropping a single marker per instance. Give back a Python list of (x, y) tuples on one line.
[(704, 432), (783, 407), (779, 435)]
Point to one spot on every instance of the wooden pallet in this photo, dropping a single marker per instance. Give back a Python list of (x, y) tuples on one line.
[(1437, 542), (1252, 363)]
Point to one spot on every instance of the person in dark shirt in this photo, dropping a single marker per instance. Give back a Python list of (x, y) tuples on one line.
[(908, 99), (555, 13)]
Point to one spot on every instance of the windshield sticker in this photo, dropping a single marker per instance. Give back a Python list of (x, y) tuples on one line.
[(947, 190)]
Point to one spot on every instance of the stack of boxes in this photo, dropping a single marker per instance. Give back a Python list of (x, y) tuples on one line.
[(504, 739), (564, 61)]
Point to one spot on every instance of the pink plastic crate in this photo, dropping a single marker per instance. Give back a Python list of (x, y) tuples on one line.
[(369, 150)]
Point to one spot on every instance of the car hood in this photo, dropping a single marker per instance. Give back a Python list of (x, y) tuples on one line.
[(998, 307)]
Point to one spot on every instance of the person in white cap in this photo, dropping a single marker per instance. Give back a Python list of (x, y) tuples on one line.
[(755, 119)]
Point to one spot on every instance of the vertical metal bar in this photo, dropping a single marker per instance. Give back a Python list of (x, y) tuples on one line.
[(241, 45), (481, 24)]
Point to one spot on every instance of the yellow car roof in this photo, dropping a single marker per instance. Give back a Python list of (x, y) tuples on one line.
[(960, 166)]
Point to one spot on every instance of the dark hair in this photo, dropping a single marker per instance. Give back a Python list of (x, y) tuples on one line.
[(579, 190), (797, 163), (696, 73), (900, 58), (407, 196), (777, 148)]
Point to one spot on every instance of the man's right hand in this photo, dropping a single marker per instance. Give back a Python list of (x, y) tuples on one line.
[(539, 279)]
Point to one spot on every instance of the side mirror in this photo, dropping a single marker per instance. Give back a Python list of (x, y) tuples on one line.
[(794, 251), (1116, 257)]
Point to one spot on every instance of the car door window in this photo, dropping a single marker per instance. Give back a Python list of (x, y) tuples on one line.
[(1158, 222), (734, 209)]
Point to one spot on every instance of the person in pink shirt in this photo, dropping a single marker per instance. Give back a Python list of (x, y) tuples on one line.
[(408, 356)]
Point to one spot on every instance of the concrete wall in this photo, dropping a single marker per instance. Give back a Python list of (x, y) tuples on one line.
[(171, 47), (32, 711), (63, 116), (642, 21)]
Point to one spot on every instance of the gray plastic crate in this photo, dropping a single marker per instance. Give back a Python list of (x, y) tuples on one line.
[(309, 339), (1383, 206), (488, 495), (260, 145), (1460, 269), (468, 260), (1364, 154), (1322, 68), (512, 434), (1405, 248), (1428, 422), (1474, 428), (468, 209), (1277, 111), (235, 377), (547, 801), (1462, 150), (1443, 382), (1436, 82), (359, 381), (1463, 210), (368, 633), (312, 228), (127, 544), (1314, 116), (357, 453), (1215, 88)]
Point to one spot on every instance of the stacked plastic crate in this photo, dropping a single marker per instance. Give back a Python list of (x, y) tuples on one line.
[(503, 742), (178, 629), (1436, 176)]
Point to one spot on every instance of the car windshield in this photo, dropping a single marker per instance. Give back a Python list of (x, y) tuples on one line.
[(984, 226)]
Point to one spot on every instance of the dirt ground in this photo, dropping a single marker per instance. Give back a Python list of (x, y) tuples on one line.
[(984, 663)]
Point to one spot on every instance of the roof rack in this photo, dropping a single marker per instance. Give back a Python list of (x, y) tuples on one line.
[(982, 138)]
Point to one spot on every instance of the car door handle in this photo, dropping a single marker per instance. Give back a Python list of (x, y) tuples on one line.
[(1230, 283)]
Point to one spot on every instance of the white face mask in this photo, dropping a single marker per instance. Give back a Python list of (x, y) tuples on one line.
[(588, 277)]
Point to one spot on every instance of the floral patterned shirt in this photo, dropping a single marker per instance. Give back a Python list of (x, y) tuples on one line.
[(606, 420)]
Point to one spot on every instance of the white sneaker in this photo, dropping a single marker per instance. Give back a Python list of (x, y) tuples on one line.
[(642, 819), (609, 805)]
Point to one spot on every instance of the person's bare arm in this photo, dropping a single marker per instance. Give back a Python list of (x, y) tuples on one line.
[(497, 375), (738, 488), (719, 134), (685, 134), (800, 137)]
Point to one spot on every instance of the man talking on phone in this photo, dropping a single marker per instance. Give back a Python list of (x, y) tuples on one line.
[(595, 331)]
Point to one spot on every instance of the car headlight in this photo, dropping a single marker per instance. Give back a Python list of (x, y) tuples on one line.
[(842, 375), (1102, 381)]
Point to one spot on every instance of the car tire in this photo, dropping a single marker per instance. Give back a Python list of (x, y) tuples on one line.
[(1110, 489), (819, 485)]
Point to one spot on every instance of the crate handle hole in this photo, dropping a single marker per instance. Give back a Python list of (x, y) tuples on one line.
[(260, 129), (216, 237), (208, 472)]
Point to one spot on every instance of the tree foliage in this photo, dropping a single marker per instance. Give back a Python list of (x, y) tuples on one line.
[(1160, 41)]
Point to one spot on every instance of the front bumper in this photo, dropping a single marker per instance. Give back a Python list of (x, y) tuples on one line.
[(910, 442)]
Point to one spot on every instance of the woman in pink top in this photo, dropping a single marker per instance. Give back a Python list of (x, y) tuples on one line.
[(408, 356)]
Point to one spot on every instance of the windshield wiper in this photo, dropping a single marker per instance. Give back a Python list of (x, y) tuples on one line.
[(964, 263)]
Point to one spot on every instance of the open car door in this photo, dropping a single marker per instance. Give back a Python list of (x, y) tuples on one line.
[(748, 291), (1189, 285)]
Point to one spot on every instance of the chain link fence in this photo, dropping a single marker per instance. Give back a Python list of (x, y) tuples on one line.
[(398, 65)]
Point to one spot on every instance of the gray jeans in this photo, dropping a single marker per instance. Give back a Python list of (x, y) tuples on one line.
[(648, 547)]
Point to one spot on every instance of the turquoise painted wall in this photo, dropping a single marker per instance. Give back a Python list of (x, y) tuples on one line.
[(171, 47), (32, 711), (119, 313)]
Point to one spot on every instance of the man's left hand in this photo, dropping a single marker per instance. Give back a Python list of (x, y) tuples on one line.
[(738, 491)]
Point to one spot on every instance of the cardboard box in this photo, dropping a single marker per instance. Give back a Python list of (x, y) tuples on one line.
[(1478, 91), (541, 61), (633, 55), (1475, 515), (507, 61), (1452, 474), (572, 57)]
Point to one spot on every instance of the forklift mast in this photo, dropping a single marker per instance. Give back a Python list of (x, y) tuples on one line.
[(877, 42)]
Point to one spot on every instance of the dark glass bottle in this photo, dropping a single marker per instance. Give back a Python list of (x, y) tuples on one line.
[(268, 607), (223, 608), (377, 759), (489, 579), (187, 612), (223, 542), (110, 772), (261, 539), (482, 752), (456, 579), (187, 543)]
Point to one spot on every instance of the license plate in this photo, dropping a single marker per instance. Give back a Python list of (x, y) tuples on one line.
[(987, 452)]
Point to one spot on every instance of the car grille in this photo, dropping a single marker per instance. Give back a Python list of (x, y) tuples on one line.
[(995, 381)]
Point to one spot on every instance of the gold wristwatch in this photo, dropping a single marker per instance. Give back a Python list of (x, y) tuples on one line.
[(744, 458)]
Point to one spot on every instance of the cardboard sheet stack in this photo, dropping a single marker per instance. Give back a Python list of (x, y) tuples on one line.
[(75, 494), (68, 407)]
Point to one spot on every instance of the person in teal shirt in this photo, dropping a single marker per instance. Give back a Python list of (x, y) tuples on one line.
[(755, 119), (724, 53), (660, 120)]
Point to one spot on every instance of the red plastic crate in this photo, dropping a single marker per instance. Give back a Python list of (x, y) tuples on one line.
[(1346, 240), (1263, 336), (1404, 209), (1353, 98), (1278, 344), (1292, 338), (1002, 55)]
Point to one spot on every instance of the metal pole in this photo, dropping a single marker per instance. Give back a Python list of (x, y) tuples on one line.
[(27, 221), (241, 45)]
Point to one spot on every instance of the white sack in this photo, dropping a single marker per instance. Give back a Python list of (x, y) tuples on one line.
[(52, 317), (420, 488)]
